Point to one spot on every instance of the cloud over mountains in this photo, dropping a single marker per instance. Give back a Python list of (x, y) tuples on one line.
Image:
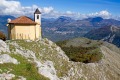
[(14, 7)]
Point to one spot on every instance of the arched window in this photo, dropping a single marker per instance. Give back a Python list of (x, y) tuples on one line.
[(37, 16)]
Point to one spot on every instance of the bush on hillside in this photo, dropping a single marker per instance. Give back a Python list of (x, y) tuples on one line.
[(81, 54), (2, 36)]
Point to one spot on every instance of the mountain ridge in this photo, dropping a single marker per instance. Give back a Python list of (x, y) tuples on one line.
[(44, 59)]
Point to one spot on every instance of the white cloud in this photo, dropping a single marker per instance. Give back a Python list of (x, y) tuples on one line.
[(14, 7), (10, 7), (104, 14), (77, 15), (47, 10)]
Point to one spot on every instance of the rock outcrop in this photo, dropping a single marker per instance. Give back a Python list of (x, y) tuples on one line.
[(3, 46), (5, 58)]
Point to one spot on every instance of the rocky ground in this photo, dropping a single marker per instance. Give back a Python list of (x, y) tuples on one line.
[(45, 60)]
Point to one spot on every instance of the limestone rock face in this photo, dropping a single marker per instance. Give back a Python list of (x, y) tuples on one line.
[(5, 76), (3, 46), (48, 70), (5, 58)]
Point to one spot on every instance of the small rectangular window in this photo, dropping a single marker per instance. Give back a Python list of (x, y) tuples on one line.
[(37, 16)]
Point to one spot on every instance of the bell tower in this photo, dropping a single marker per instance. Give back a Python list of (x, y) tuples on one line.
[(37, 16), (37, 19)]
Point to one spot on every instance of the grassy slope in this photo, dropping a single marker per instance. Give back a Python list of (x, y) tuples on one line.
[(26, 68)]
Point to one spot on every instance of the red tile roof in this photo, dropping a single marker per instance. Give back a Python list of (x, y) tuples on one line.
[(22, 20)]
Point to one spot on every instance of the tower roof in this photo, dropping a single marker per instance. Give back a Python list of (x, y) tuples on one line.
[(37, 11), (22, 20)]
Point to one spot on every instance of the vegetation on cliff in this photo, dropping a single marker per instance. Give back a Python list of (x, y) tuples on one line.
[(81, 53)]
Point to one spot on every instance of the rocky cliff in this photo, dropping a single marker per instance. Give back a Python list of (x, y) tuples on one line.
[(44, 60)]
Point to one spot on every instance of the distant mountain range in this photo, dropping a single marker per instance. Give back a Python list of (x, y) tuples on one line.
[(64, 28), (109, 33)]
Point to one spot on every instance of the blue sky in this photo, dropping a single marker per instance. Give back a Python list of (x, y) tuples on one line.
[(83, 6), (77, 9)]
